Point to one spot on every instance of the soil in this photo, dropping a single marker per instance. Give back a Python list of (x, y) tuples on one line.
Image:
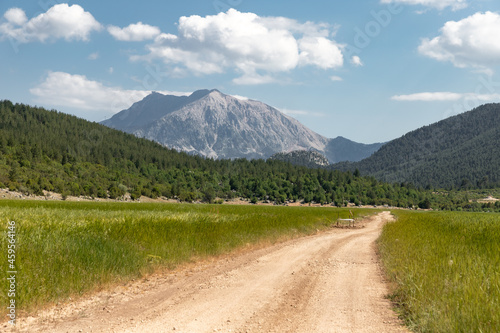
[(489, 199), (47, 195), (328, 282)]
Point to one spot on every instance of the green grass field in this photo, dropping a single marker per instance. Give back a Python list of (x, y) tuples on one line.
[(69, 248), (446, 270)]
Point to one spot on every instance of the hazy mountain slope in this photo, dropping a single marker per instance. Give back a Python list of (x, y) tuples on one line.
[(212, 124), (463, 150), (221, 126), (342, 149), (152, 108)]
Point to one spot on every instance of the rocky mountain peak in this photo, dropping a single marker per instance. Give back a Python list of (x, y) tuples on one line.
[(213, 124), (307, 158)]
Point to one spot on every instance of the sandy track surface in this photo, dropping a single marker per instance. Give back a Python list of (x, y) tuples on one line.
[(329, 282)]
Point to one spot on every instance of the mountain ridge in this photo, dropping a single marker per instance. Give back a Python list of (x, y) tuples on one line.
[(45, 151), (216, 125), (460, 151)]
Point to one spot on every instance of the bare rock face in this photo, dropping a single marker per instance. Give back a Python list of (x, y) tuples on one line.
[(215, 125), (307, 158)]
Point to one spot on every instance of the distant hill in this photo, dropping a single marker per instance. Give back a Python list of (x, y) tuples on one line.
[(310, 159), (459, 152), (212, 124), (341, 149)]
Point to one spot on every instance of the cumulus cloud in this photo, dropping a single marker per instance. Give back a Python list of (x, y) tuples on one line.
[(356, 61), (438, 4), (59, 22), (16, 16), (77, 91), (471, 42), (336, 78), (445, 96), (134, 33), (253, 46), (321, 52)]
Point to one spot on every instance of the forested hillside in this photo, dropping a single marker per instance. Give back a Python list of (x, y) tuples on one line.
[(47, 150), (460, 152)]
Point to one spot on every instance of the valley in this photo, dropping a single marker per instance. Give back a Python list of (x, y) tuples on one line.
[(117, 212), (250, 166)]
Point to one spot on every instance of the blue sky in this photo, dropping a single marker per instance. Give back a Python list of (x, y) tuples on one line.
[(368, 70)]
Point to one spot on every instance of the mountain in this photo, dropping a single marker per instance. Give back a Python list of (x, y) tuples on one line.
[(342, 149), (44, 150), (310, 159), (215, 125), (459, 152)]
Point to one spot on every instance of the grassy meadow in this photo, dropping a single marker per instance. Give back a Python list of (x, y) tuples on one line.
[(69, 248), (445, 268)]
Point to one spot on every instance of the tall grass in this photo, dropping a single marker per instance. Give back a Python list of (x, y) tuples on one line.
[(446, 270), (68, 248)]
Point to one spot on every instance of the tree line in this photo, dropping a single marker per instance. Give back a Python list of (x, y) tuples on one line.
[(43, 150)]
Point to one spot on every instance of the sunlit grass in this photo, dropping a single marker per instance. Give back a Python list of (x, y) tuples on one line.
[(446, 270), (68, 248)]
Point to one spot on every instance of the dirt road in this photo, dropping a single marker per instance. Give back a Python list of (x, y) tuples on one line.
[(329, 282)]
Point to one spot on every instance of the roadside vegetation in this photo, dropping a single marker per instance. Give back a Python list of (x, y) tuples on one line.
[(69, 248), (445, 269)]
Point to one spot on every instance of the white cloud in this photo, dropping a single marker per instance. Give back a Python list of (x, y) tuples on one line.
[(301, 113), (255, 47), (336, 78), (445, 96), (59, 22), (134, 32), (241, 98), (438, 4), (321, 52), (356, 61), (16, 16), (471, 42), (486, 71), (483, 97), (77, 91), (93, 56), (428, 97), (252, 78)]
